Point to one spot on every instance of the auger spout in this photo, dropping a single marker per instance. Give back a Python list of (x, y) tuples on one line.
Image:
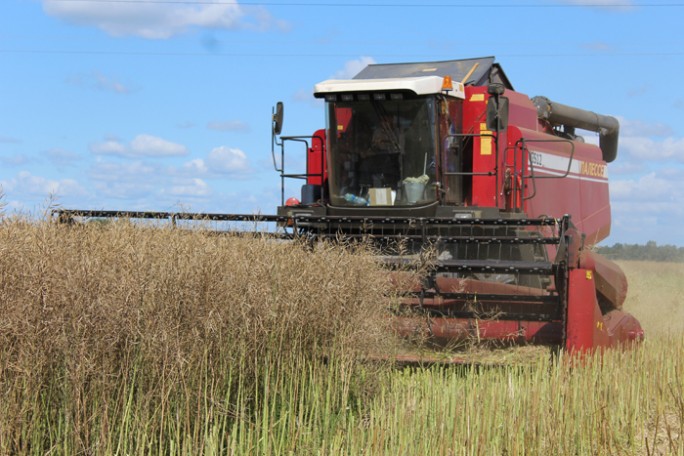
[(607, 127)]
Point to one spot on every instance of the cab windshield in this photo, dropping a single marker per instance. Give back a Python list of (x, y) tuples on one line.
[(381, 152)]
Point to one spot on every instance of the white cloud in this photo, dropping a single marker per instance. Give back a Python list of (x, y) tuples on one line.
[(648, 207), (647, 199), (647, 149), (221, 160), (153, 146), (652, 187), (196, 166), (640, 128), (142, 145), (353, 67), (227, 160), (194, 187), (625, 167), (125, 190), (109, 147), (126, 180), (161, 20), (136, 171), (648, 142), (29, 184)]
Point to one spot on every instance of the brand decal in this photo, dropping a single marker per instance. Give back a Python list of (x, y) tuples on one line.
[(593, 169), (563, 166)]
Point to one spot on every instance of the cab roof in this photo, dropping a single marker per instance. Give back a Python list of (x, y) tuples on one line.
[(479, 71)]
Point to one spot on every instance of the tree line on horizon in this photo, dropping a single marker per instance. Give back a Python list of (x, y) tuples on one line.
[(650, 251)]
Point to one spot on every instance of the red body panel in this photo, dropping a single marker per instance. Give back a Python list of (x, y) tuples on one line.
[(610, 280), (549, 175), (316, 167), (483, 192), (562, 178), (586, 327)]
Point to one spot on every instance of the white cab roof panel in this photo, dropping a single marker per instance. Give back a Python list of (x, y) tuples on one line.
[(423, 85)]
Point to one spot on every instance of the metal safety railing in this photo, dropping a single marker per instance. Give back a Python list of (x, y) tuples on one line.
[(308, 142)]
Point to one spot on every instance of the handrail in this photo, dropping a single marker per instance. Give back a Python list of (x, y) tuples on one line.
[(304, 139), (532, 176)]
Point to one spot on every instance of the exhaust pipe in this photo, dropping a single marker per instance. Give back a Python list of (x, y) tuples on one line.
[(607, 127)]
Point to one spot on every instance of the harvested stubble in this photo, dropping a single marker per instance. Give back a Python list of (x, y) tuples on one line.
[(122, 339), (656, 295)]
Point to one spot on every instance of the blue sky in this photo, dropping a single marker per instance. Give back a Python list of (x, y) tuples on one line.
[(166, 105)]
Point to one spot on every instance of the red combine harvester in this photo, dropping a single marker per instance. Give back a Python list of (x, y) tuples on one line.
[(445, 160)]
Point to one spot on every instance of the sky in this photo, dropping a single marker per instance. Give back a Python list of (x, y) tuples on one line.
[(166, 105)]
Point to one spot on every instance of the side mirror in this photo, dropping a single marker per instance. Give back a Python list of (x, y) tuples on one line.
[(278, 118), (497, 113)]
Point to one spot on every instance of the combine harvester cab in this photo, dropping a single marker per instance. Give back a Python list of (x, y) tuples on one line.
[(446, 158)]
